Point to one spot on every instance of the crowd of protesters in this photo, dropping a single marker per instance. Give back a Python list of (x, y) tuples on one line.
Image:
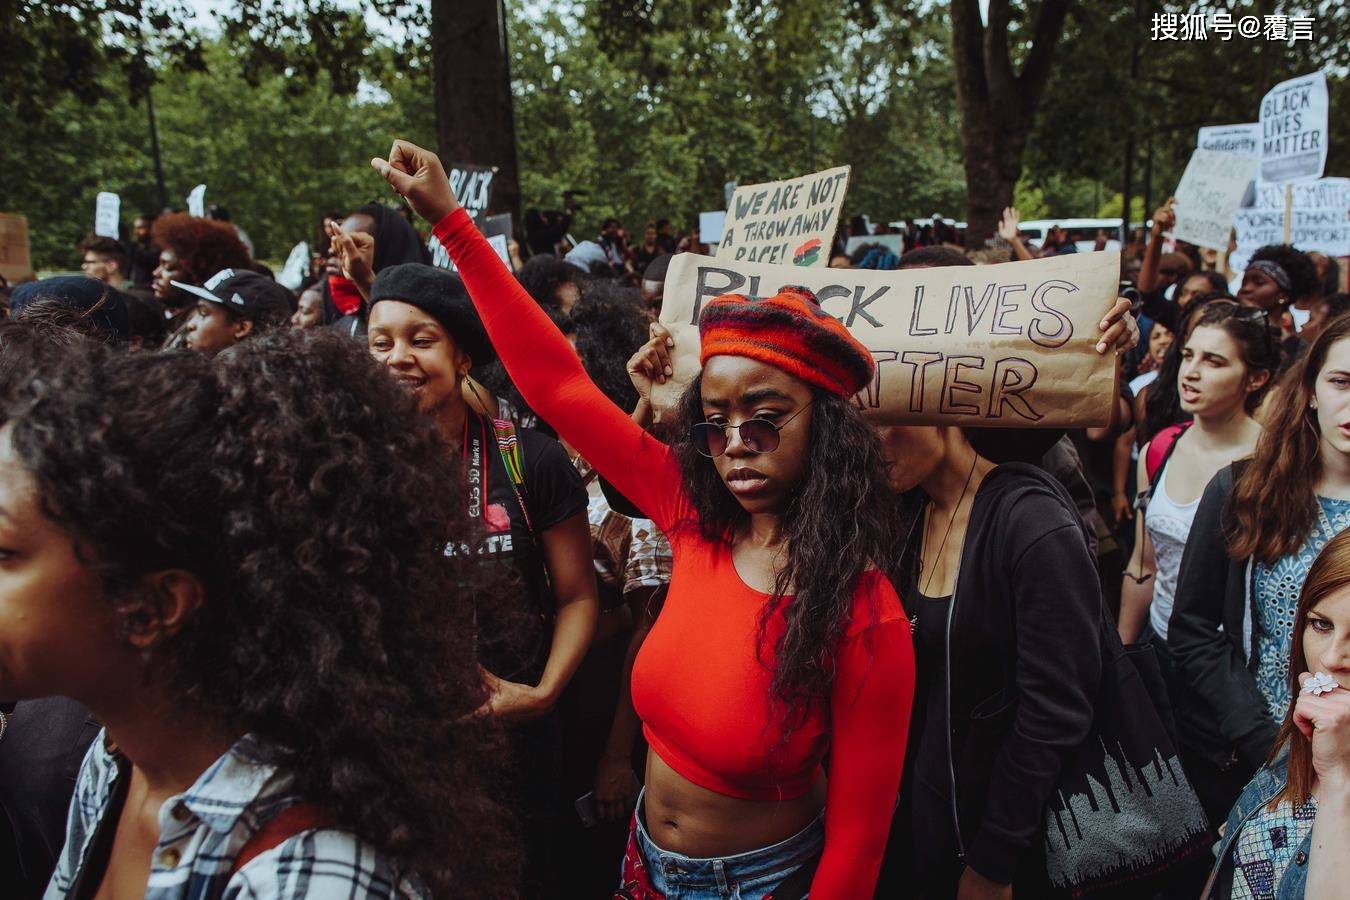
[(393, 585)]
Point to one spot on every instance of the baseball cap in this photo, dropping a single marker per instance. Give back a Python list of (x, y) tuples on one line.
[(248, 294)]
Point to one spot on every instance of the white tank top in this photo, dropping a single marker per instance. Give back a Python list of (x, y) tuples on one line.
[(1168, 524)]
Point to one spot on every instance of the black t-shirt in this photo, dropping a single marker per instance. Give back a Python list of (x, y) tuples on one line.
[(515, 617)]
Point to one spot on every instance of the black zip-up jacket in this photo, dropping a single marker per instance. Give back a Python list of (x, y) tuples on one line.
[(1223, 716), (1023, 664)]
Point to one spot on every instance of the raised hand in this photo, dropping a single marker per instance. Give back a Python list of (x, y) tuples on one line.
[(1164, 217), (355, 252), (418, 176), (651, 363), (1007, 226), (1120, 331), (1325, 721)]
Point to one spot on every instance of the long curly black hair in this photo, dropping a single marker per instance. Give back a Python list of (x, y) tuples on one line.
[(841, 520), (298, 483)]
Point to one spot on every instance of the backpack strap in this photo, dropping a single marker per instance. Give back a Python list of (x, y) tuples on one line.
[(278, 830), (1160, 450)]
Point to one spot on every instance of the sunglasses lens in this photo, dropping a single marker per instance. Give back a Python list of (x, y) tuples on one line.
[(759, 436), (709, 439)]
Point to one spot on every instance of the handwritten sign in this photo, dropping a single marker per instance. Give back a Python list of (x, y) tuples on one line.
[(1320, 219), (1004, 345), (1210, 192), (1294, 129), (785, 222), (473, 187), (107, 207)]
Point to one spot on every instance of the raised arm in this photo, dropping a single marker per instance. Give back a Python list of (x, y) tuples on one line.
[(538, 358)]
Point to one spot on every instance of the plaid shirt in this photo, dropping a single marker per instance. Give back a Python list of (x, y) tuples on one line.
[(202, 830)]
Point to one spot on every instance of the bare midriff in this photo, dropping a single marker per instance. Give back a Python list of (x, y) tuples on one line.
[(682, 817)]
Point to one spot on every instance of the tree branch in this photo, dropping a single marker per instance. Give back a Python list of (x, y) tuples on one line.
[(1036, 71)]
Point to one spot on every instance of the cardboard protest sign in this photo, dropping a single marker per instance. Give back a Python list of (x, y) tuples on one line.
[(1210, 191), (15, 263), (711, 226), (1320, 219), (785, 222), (107, 207), (196, 201), (1294, 129), (1244, 140), (1004, 345)]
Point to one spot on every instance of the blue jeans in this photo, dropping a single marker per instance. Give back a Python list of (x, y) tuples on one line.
[(744, 876)]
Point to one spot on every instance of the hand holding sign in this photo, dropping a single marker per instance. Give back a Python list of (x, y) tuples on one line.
[(418, 176)]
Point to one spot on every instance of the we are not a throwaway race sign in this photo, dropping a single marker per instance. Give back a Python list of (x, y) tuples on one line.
[(1003, 345), (1210, 192), (789, 222)]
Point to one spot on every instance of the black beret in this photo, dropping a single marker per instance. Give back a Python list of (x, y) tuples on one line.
[(106, 306), (440, 295)]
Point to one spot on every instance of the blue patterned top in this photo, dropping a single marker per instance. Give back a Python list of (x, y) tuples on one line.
[(1277, 589), (1266, 846)]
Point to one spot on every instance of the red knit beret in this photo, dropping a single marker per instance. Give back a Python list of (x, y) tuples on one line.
[(788, 331)]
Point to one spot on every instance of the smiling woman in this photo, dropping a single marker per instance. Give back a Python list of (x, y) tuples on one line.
[(798, 639)]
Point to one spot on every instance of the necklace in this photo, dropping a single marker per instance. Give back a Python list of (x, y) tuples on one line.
[(947, 533)]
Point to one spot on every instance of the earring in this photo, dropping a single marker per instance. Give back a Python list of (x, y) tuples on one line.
[(1312, 405)]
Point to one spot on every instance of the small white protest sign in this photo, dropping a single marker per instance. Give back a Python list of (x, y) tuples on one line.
[(788, 222), (196, 201), (710, 226), (293, 273), (1294, 129), (107, 209), (1209, 194)]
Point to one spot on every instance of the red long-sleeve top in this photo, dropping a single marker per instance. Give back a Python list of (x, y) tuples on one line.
[(698, 684)]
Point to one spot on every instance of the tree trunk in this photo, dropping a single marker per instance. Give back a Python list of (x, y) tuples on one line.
[(998, 107), (475, 119)]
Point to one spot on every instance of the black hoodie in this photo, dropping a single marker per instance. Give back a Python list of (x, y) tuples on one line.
[(1026, 661)]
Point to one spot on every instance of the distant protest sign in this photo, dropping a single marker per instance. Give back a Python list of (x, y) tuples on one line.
[(15, 263), (1294, 129), (1244, 140), (292, 274), (1209, 194), (196, 201), (473, 187), (711, 225), (1003, 345), (497, 229), (107, 209), (785, 222), (1319, 219)]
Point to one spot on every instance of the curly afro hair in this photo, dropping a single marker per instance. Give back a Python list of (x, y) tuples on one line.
[(298, 483), (610, 326), (1302, 272), (203, 246)]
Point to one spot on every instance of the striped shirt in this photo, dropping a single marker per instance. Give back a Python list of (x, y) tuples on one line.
[(202, 830)]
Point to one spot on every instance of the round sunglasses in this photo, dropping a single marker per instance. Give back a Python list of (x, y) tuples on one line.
[(758, 435)]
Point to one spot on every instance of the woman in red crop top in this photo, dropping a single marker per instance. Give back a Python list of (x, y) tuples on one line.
[(780, 639)]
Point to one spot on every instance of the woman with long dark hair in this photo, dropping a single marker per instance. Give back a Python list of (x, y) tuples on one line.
[(1228, 360), (1259, 525), (780, 637), (1287, 835), (236, 564)]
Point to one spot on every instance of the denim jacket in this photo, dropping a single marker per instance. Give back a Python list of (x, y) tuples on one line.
[(1264, 786)]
